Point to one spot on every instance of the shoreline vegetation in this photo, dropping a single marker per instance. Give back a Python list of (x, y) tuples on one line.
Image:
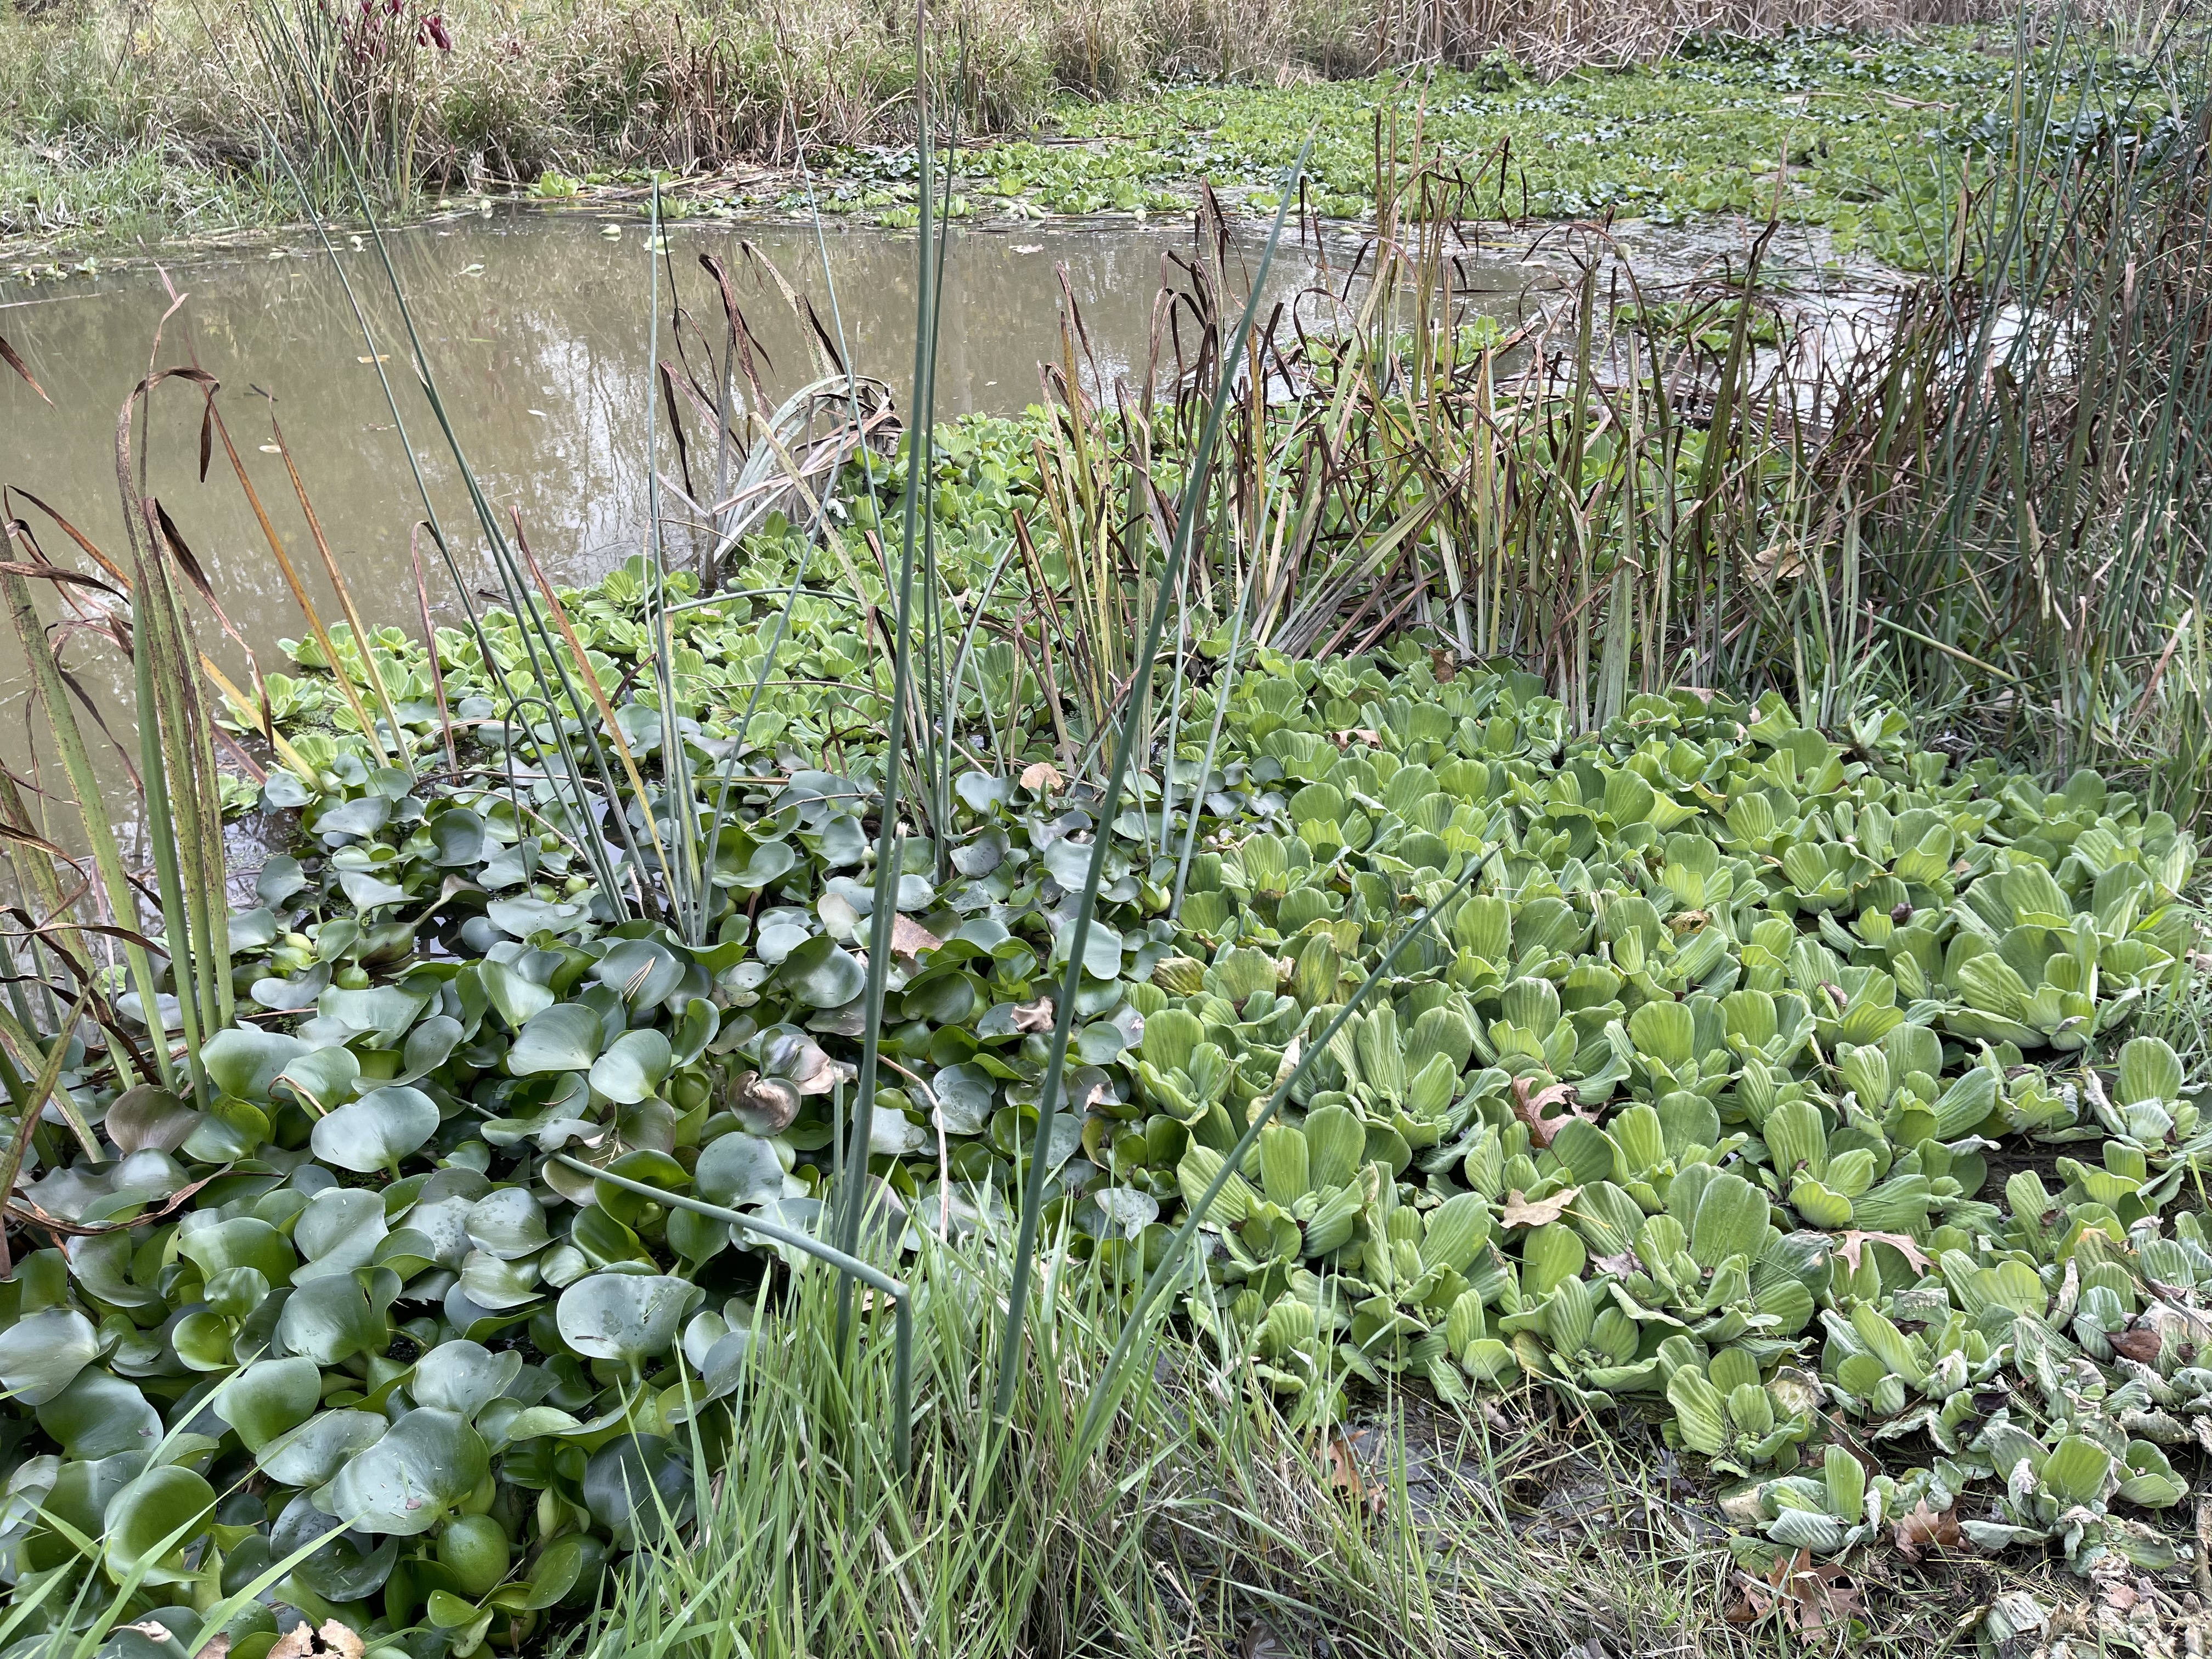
[(123, 126), (1396, 992)]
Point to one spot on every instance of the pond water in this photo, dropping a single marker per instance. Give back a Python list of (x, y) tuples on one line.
[(538, 327)]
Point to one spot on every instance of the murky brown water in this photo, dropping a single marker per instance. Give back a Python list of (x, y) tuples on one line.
[(537, 328)]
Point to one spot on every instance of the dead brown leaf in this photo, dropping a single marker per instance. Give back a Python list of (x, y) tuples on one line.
[(342, 1640), (217, 1647), (1443, 664), (1535, 1109), (1345, 1479), (1924, 1528), (1041, 778), (2141, 1344), (1810, 1598), (910, 939), (1625, 1263), (1850, 1245), (1028, 1016), (1520, 1211), (1350, 735)]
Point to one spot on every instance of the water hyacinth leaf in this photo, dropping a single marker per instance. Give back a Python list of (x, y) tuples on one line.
[(428, 1046), (516, 999), (628, 1317), (965, 1094), (820, 974), (241, 1241), (149, 1116), (375, 1132), (331, 1319), (641, 971), (246, 1063), (409, 1480), (737, 1169), (632, 1069), (312, 1454), (508, 1223), (338, 1232), (270, 1399), (322, 1078), (152, 1518), (384, 1010), (463, 1376), (496, 1284), (632, 1483), (100, 1415), (41, 1353), (563, 1038)]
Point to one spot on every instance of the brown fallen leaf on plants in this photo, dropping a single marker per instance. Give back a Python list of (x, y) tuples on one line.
[(1351, 735), (1809, 1598), (910, 939), (1852, 1244), (2140, 1343), (1041, 778), (1924, 1528), (1520, 1211), (1030, 1017), (1535, 1109)]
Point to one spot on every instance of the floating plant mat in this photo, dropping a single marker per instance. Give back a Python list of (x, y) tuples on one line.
[(1686, 1104)]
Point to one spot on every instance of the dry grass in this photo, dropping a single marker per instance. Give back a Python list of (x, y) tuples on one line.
[(712, 82)]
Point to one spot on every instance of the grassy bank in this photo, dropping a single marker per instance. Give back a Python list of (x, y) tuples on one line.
[(122, 124)]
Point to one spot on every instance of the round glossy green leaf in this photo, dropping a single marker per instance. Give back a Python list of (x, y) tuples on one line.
[(331, 1319), (631, 1484), (378, 1130), (463, 1376), (323, 1078), (508, 1223), (340, 1569), (100, 1415), (338, 1231), (632, 1069), (202, 1340), (245, 1063), (158, 1513), (737, 1169), (965, 1095), (407, 1481), (235, 1293), (555, 1572), (314, 1452), (429, 1045), (242, 1242), (820, 974), (41, 1353), (640, 971), (148, 1116), (622, 1317), (563, 1038), (498, 1285), (269, 1398)]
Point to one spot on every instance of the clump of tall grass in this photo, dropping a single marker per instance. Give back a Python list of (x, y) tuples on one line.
[(1202, 1523)]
